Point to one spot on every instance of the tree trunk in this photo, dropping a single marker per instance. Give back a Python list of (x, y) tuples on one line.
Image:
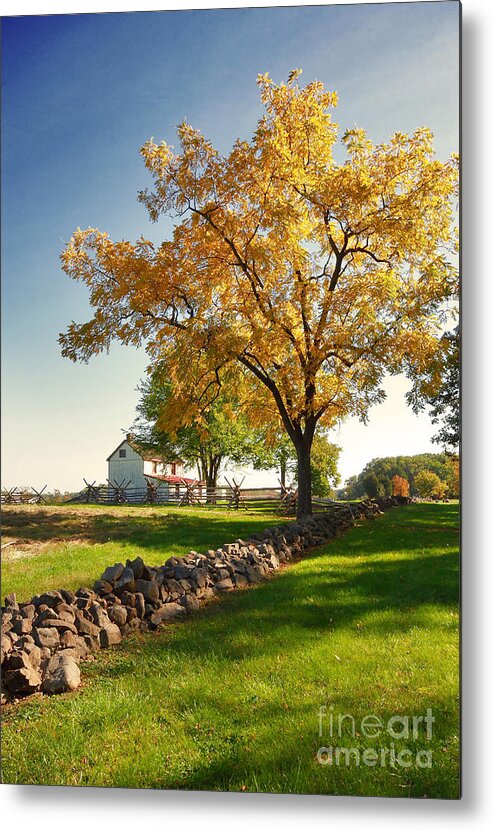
[(211, 472), (303, 453), (211, 481), (283, 469)]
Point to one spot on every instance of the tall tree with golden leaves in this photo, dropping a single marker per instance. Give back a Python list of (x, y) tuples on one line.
[(314, 277), (400, 486)]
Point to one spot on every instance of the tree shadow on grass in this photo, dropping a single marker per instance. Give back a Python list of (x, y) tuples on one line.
[(292, 608), (289, 615), (157, 528)]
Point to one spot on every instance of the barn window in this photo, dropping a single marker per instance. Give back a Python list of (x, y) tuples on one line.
[(173, 469), (122, 453), (154, 467)]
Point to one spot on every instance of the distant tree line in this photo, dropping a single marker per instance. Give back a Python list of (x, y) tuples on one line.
[(428, 475)]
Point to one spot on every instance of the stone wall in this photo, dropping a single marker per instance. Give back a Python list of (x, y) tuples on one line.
[(45, 639)]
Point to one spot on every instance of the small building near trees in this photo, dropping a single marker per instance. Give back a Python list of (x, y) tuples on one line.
[(131, 462)]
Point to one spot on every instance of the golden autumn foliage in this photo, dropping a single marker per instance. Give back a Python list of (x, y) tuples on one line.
[(313, 277), (400, 486)]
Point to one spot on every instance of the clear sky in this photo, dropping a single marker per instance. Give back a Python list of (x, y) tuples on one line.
[(82, 93)]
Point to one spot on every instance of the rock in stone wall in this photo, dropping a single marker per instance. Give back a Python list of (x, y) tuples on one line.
[(44, 640)]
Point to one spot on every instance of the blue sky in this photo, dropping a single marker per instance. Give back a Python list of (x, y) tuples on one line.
[(82, 93)]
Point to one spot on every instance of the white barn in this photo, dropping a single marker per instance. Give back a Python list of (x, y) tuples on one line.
[(130, 462)]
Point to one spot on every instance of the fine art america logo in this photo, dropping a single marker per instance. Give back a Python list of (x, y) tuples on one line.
[(333, 727)]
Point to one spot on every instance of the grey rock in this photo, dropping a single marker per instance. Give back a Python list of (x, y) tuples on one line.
[(170, 611), (182, 572), (61, 625), (51, 599), (103, 587), (74, 652), (18, 659), (190, 602), (85, 626), (224, 585), (61, 674), (253, 575), (45, 614), (134, 623), (126, 582), (173, 587), (66, 612), (148, 588), (22, 626), (87, 594), (68, 639), (117, 614), (240, 580), (92, 642), (110, 635), (137, 567), (48, 637), (68, 596), (113, 573), (6, 645), (139, 604), (199, 576), (98, 614), (23, 681), (34, 653)]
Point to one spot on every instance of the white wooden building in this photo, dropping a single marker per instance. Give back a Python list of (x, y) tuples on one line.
[(130, 462)]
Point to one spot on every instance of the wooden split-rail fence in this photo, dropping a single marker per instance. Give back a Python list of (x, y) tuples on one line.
[(232, 495), (22, 496)]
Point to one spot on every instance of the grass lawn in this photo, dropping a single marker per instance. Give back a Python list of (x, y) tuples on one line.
[(229, 699), (70, 546)]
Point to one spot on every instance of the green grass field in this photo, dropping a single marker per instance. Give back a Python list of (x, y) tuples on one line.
[(68, 547), (230, 699)]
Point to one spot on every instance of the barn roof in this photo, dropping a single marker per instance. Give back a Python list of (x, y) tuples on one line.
[(173, 480), (144, 452)]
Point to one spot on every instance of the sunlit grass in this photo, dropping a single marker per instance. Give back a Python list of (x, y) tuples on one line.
[(68, 547)]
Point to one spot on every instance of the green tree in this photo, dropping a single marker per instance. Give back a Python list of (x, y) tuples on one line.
[(353, 488), (371, 484), (276, 451), (324, 460), (439, 389), (220, 431), (429, 485)]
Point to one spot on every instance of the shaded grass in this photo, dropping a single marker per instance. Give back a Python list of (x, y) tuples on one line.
[(71, 546), (229, 700)]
